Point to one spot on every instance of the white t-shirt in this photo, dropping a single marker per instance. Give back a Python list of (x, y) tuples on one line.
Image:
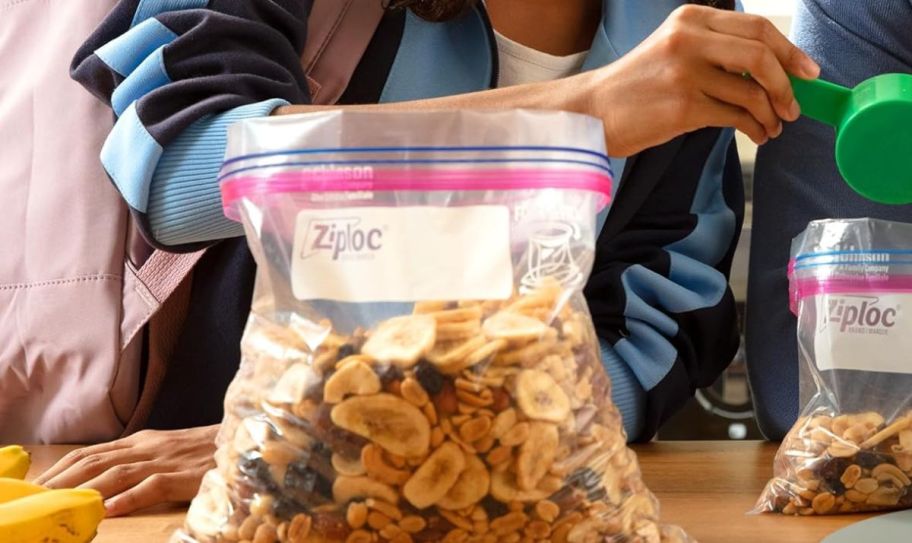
[(522, 64)]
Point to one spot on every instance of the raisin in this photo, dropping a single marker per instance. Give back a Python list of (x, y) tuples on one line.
[(300, 479), (322, 464), (830, 472), (321, 449), (431, 380), (346, 350), (305, 487), (324, 486), (257, 470), (493, 507), (331, 437), (906, 500), (285, 508), (870, 459), (589, 482), (389, 374)]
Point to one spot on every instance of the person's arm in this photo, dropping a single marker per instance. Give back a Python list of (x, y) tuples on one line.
[(659, 293), (175, 80), (691, 73), (191, 73)]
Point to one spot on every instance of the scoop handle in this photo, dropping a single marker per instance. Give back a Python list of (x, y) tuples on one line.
[(821, 100)]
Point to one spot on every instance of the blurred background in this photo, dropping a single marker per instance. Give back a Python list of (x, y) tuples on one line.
[(724, 411)]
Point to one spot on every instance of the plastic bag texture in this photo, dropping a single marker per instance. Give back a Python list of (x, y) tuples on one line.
[(851, 449), (419, 363)]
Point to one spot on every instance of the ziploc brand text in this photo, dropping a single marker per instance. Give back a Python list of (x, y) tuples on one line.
[(402, 254), (865, 331), (861, 314), (342, 237)]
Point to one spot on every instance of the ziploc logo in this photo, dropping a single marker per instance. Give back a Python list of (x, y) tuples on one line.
[(341, 239), (861, 315)]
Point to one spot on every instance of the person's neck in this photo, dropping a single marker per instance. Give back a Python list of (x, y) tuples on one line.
[(556, 27)]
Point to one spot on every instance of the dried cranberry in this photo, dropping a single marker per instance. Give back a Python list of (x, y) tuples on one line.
[(431, 380), (501, 399), (446, 401)]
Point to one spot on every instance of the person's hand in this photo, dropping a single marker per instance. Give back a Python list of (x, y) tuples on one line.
[(145, 469), (702, 68)]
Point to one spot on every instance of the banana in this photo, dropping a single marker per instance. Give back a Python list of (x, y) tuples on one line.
[(354, 378), (387, 420), (402, 341), (436, 476), (61, 516), (536, 454), (513, 327), (505, 490), (14, 462), (449, 355), (13, 489), (470, 488), (540, 397)]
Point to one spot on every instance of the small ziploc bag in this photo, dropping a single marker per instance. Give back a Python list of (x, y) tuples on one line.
[(419, 363), (851, 450)]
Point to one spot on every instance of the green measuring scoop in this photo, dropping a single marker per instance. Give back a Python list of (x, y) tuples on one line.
[(873, 125)]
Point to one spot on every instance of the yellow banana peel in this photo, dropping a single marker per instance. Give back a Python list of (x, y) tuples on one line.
[(14, 462), (13, 489), (62, 516)]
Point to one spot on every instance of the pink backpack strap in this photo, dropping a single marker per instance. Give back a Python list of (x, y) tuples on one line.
[(338, 34), (150, 286)]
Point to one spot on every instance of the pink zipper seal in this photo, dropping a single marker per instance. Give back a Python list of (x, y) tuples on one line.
[(811, 286), (418, 180)]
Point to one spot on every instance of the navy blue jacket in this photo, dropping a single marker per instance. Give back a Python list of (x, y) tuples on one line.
[(177, 72), (797, 181)]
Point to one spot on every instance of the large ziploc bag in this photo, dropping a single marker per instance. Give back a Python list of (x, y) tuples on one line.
[(419, 363), (851, 450)]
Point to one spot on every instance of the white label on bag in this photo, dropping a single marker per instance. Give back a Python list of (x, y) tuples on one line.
[(867, 332), (403, 254)]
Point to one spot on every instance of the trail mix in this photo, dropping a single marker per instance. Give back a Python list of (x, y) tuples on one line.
[(462, 422), (848, 463)]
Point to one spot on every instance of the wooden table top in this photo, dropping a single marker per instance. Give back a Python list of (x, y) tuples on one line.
[(705, 487)]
